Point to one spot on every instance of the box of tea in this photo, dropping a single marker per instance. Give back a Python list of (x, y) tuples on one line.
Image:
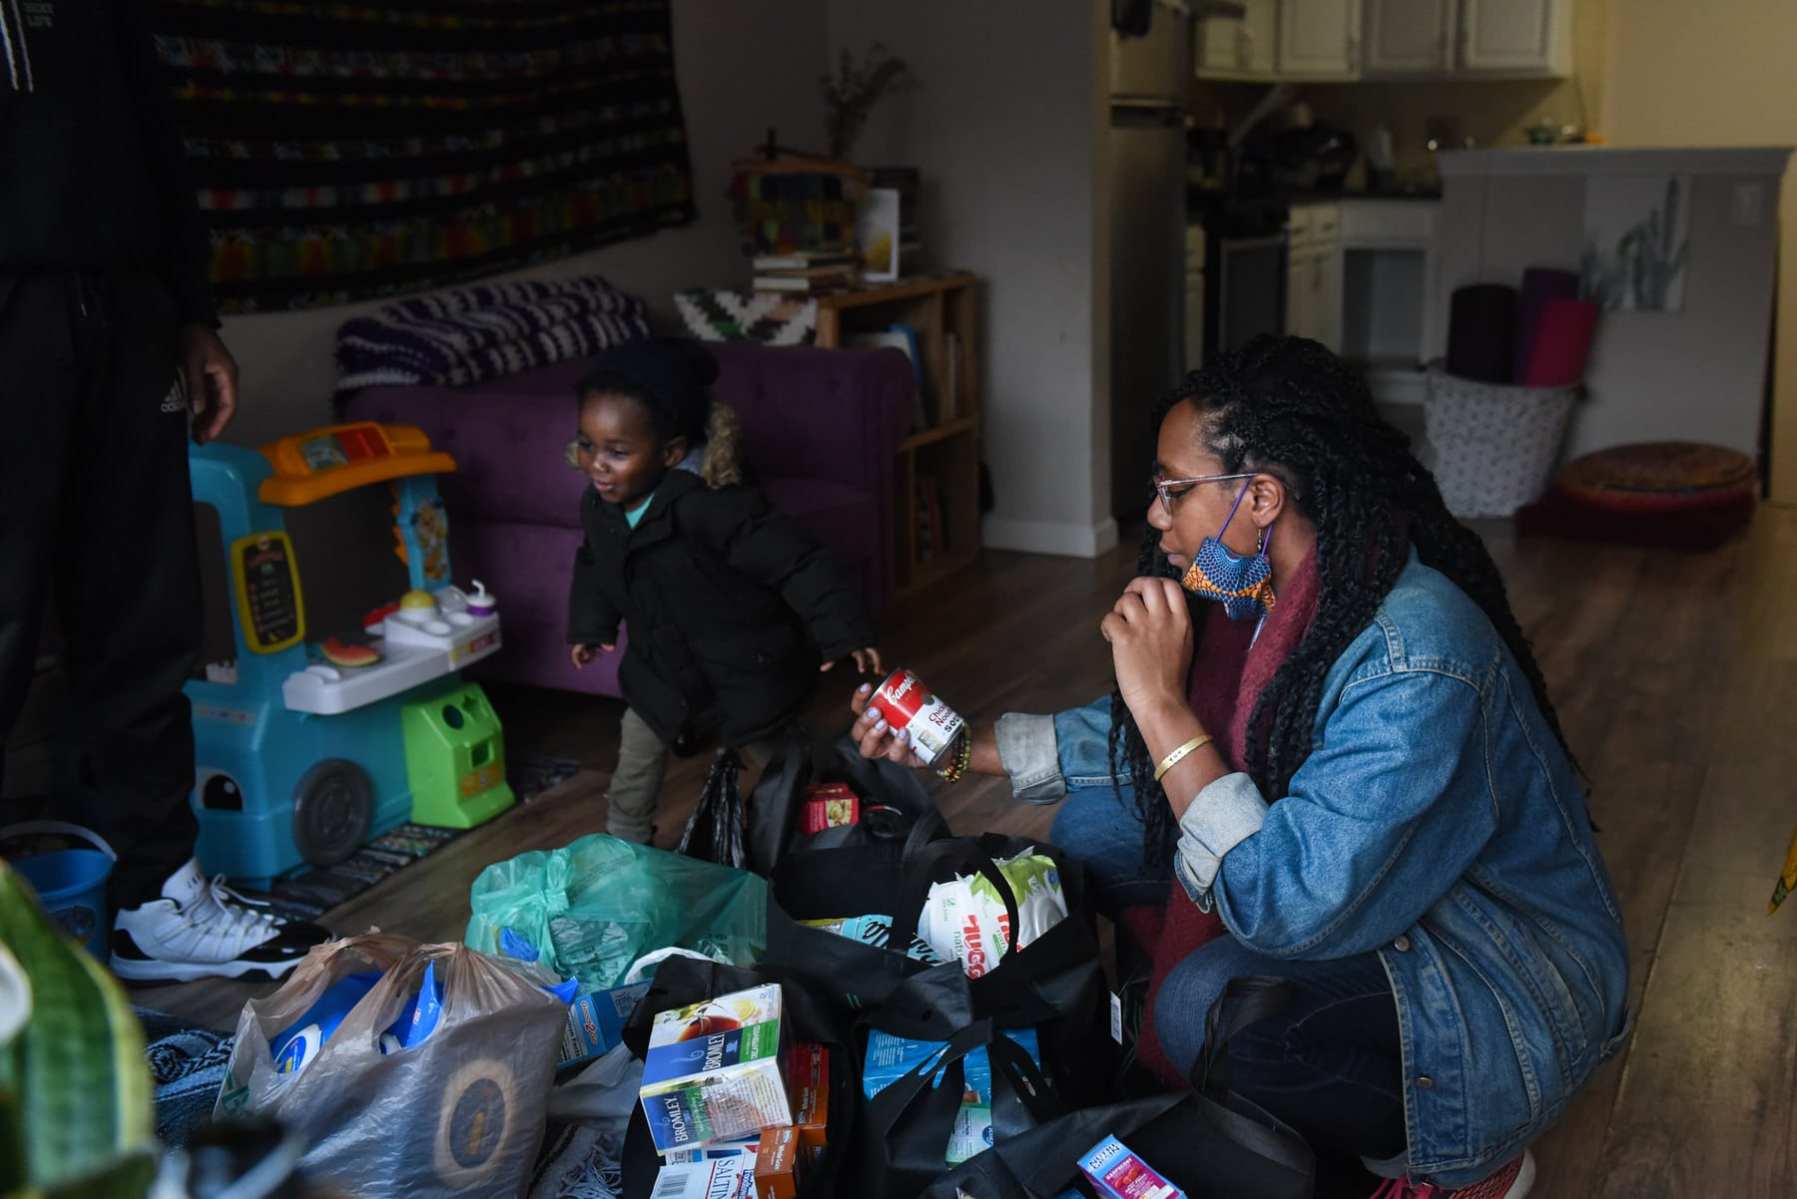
[(712, 1070)]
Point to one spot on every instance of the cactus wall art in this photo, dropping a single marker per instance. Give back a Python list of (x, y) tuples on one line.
[(1637, 242)]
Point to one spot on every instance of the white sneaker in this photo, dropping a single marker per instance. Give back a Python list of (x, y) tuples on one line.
[(203, 929)]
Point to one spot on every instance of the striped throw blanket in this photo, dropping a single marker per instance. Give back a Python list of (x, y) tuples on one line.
[(473, 334)]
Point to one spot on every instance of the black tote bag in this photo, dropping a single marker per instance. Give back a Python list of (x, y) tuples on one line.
[(1209, 1141), (774, 829), (902, 1138), (1055, 984)]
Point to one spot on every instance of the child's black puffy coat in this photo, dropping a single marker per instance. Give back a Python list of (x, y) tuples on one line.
[(731, 606)]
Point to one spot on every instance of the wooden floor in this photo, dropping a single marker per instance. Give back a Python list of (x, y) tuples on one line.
[(1676, 679)]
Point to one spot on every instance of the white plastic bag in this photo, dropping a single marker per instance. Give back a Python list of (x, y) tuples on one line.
[(460, 1114)]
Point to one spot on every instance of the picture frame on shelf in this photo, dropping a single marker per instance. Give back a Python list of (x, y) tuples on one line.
[(877, 233)]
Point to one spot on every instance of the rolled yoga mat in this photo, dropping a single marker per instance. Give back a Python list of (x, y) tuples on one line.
[(1562, 342), (1482, 333), (1540, 285)]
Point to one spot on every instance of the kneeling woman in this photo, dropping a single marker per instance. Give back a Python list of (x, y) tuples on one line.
[(1349, 756)]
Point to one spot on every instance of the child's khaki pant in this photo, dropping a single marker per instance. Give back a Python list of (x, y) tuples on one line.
[(636, 783)]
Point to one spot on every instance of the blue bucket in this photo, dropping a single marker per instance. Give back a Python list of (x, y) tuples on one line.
[(71, 883)]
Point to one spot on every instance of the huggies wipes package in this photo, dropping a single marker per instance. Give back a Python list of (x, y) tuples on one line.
[(965, 920), (712, 1070)]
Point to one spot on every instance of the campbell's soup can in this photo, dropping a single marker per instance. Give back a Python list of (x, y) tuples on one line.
[(909, 706)]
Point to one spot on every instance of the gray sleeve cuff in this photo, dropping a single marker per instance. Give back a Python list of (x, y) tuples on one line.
[(1026, 747), (1225, 814)]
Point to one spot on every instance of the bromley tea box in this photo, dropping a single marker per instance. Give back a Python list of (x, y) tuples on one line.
[(712, 1070)]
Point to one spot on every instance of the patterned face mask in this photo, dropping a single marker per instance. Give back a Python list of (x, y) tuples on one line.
[(1243, 585)]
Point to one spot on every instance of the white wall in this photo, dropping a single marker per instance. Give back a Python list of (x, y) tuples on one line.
[(1005, 126), (1695, 375), (743, 65), (1684, 74)]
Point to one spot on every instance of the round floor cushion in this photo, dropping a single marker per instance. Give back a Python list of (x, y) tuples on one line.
[(1658, 474), (1663, 493)]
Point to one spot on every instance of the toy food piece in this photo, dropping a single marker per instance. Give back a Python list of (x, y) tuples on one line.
[(347, 653), (371, 623), (417, 606)]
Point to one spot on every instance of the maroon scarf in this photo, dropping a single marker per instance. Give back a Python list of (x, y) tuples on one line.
[(1232, 668)]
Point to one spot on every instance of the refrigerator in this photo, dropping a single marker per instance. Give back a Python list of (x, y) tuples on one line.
[(1147, 192)]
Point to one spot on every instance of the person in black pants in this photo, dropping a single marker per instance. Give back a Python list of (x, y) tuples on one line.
[(107, 346)]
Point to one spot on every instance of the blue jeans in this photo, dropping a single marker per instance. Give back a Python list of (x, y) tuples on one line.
[(1330, 1065)]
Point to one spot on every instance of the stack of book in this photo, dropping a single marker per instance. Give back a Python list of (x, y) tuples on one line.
[(807, 272)]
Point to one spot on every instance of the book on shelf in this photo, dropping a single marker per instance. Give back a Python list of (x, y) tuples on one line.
[(844, 271), (902, 338), (805, 260), (817, 286), (949, 404)]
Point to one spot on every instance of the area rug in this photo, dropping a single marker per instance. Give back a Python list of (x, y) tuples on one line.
[(308, 896)]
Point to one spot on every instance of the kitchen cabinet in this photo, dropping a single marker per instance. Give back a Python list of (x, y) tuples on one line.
[(1319, 39), (1325, 310), (1243, 47), (1313, 281), (1346, 40), (1409, 37), (1517, 38)]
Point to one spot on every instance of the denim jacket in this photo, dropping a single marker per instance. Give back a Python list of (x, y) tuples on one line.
[(1437, 822)]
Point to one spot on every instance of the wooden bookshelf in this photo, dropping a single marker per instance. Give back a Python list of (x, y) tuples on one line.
[(938, 475)]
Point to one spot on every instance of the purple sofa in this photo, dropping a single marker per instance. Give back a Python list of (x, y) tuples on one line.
[(821, 431)]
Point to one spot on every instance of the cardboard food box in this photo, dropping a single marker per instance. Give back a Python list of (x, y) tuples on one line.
[(808, 1080), (714, 1178), (777, 1166), (596, 1022), (713, 1070)]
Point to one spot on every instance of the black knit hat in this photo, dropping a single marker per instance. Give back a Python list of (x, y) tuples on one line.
[(672, 376)]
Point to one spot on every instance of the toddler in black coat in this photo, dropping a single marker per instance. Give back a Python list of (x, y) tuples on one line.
[(733, 609)]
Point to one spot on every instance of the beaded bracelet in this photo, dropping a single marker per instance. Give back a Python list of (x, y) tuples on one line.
[(962, 760)]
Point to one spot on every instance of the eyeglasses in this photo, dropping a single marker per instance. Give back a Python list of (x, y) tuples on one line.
[(1170, 490)]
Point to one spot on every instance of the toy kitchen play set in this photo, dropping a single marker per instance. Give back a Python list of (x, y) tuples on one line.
[(304, 751)]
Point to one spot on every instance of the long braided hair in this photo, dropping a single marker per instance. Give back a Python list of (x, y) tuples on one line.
[(1288, 407)]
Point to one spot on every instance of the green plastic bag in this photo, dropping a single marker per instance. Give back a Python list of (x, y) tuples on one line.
[(590, 910)]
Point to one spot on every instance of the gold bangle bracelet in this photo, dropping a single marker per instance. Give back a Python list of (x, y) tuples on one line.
[(1177, 756)]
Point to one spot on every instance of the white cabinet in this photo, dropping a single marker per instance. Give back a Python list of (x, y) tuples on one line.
[(1319, 39), (1313, 278), (1239, 47), (1304, 40), (1409, 37), (1531, 38)]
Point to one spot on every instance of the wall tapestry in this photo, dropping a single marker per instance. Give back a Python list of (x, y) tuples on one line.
[(347, 151)]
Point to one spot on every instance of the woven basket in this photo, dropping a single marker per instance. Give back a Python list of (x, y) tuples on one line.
[(1495, 446)]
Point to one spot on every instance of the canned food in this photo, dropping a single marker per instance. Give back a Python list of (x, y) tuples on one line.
[(909, 707)]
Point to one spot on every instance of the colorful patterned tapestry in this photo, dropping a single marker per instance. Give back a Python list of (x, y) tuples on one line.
[(347, 151)]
